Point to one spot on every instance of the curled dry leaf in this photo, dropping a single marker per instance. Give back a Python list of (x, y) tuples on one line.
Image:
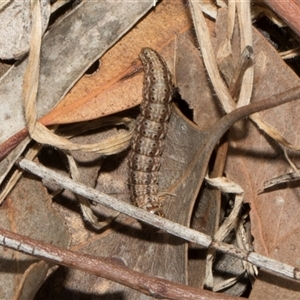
[(279, 180)]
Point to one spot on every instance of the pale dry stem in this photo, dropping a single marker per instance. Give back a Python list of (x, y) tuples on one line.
[(210, 63), (211, 66), (31, 154), (38, 131), (292, 53), (245, 26), (226, 186), (87, 212), (164, 224)]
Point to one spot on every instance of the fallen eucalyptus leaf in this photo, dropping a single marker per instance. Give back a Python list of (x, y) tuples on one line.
[(15, 27), (59, 71)]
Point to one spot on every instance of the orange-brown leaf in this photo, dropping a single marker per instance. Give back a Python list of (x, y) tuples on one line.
[(105, 93)]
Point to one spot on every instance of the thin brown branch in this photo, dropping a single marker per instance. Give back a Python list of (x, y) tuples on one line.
[(107, 268), (288, 10), (11, 143)]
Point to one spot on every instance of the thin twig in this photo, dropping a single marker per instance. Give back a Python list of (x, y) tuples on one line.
[(171, 227), (107, 268)]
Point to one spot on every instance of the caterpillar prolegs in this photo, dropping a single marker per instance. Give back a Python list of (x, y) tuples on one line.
[(147, 143)]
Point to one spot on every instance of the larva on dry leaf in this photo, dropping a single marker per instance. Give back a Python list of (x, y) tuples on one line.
[(147, 142)]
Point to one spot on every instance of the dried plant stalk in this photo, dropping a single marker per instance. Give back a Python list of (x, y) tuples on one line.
[(225, 186), (87, 212), (30, 155), (245, 25), (215, 77), (38, 131), (207, 51)]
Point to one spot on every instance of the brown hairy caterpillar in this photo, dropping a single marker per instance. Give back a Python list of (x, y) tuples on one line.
[(147, 143)]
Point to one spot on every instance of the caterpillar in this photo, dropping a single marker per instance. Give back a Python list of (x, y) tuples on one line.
[(147, 143)]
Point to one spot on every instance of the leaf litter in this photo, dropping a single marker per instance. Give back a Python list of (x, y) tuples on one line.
[(262, 245)]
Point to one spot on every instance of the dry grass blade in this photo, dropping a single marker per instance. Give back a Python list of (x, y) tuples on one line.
[(246, 60), (31, 77), (208, 57), (87, 212), (4, 3), (247, 84), (290, 53), (279, 180), (245, 25), (31, 154), (38, 131), (112, 145), (225, 186), (209, 7), (272, 132)]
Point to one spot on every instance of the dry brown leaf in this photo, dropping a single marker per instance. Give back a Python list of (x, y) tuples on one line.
[(59, 71), (255, 158), (116, 86), (28, 211), (137, 249), (193, 84), (140, 247)]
